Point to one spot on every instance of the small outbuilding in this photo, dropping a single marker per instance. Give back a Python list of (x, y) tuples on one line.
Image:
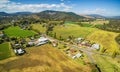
[(19, 51), (96, 46), (78, 55)]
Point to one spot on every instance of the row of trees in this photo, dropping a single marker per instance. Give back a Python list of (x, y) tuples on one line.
[(114, 25)]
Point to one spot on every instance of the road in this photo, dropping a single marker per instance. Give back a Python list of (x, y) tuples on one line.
[(88, 51)]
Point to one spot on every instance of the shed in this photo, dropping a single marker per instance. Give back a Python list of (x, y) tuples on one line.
[(96, 46)]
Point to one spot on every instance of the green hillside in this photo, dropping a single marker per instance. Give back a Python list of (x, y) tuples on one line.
[(106, 39)]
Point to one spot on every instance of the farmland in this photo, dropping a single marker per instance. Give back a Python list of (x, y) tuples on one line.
[(5, 51), (107, 64), (97, 22), (106, 39), (39, 28), (92, 34), (44, 59), (72, 30), (17, 32)]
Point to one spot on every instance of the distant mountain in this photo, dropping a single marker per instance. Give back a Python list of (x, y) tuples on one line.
[(14, 14), (22, 13), (96, 16), (59, 15), (4, 14), (113, 17)]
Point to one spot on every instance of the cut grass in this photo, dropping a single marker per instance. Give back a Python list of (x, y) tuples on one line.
[(44, 59), (5, 51), (17, 32)]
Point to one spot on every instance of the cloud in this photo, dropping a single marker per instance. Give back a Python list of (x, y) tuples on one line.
[(9, 6), (95, 11)]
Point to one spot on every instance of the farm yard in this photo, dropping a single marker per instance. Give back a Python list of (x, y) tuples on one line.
[(18, 32), (5, 51)]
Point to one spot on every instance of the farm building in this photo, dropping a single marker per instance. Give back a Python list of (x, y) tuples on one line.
[(19, 51), (95, 46), (41, 41), (1, 34), (30, 43), (78, 40), (78, 55)]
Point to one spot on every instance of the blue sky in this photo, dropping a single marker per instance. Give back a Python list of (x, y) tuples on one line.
[(103, 7)]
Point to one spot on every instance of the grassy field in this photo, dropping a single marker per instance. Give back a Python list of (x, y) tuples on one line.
[(107, 64), (72, 30), (39, 28), (5, 51), (43, 59), (97, 22), (17, 32), (106, 39)]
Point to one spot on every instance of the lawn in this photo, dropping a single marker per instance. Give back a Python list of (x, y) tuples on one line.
[(5, 51), (44, 58), (18, 32)]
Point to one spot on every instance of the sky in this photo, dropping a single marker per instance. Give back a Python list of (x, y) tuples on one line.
[(102, 7)]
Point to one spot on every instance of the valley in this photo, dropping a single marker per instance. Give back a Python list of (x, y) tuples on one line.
[(49, 42)]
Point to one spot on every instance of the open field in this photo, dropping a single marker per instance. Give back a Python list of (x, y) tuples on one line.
[(107, 64), (106, 39), (97, 22), (39, 28), (43, 59), (72, 30), (17, 32), (5, 51)]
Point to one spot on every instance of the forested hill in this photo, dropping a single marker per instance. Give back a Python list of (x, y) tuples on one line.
[(59, 15)]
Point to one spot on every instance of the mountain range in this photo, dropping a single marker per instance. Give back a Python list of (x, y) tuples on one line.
[(58, 15)]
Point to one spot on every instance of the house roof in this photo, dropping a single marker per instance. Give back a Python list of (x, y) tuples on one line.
[(79, 38), (78, 55), (19, 51), (42, 39), (97, 46)]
